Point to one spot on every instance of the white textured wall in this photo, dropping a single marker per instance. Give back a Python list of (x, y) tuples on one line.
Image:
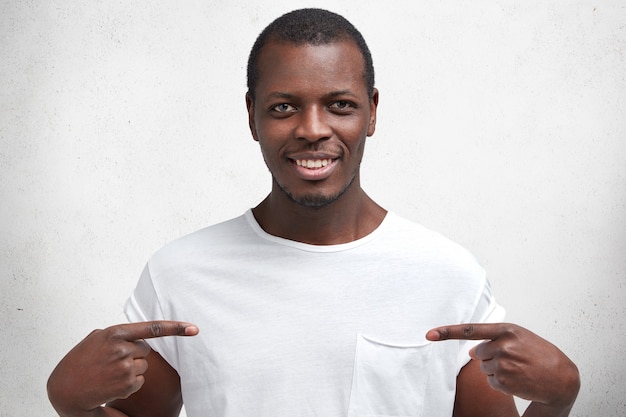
[(123, 126)]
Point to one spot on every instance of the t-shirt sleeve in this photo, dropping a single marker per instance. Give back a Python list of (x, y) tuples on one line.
[(144, 305), (487, 311)]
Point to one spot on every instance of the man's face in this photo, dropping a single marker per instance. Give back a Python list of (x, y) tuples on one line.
[(311, 115)]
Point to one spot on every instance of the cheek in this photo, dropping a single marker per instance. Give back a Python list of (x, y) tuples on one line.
[(356, 136), (272, 131), (359, 151), (270, 150)]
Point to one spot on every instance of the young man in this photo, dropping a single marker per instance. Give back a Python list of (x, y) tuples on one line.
[(317, 301)]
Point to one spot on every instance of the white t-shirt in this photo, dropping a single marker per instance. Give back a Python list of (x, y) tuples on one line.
[(290, 329)]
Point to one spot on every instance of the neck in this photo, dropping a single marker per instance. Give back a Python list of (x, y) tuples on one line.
[(351, 217)]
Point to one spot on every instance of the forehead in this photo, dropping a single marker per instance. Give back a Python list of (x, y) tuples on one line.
[(287, 66)]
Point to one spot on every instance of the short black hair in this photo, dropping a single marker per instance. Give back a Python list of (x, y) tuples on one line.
[(313, 27)]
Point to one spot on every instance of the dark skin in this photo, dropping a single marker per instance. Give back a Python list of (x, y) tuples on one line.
[(511, 361), (311, 116), (116, 363), (326, 118)]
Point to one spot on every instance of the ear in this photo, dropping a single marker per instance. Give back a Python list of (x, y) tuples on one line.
[(373, 106), (250, 107)]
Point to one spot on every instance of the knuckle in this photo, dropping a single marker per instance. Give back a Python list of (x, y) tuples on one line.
[(511, 329), (131, 385), (468, 330), (180, 328), (127, 367), (120, 351), (156, 329), (494, 383), (142, 347), (140, 366), (500, 379)]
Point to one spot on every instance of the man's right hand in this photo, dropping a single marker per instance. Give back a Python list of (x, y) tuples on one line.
[(107, 365)]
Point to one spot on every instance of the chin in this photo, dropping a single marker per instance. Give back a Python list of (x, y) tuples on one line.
[(315, 201)]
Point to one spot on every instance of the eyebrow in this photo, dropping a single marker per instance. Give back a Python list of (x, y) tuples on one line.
[(341, 93), (333, 94), (287, 96)]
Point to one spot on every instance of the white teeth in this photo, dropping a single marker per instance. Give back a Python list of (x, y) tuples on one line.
[(313, 163)]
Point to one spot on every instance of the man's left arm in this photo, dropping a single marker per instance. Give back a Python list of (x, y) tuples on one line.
[(514, 361)]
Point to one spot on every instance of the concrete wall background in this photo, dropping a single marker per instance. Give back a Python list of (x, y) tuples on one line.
[(123, 126)]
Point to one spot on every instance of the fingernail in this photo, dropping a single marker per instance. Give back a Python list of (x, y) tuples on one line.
[(433, 335), (191, 330)]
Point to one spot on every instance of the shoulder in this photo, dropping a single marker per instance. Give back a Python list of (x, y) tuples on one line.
[(421, 241), (207, 241)]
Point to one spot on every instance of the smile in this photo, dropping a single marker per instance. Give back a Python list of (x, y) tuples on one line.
[(313, 163), (315, 169)]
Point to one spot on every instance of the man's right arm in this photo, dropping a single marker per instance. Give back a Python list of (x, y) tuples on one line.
[(116, 366), (514, 361)]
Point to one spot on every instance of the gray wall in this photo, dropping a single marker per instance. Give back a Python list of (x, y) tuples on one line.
[(123, 126)]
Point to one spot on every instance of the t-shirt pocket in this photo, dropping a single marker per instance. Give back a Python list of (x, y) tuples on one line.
[(388, 380)]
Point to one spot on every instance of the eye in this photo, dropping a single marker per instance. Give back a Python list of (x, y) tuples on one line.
[(342, 105), (284, 108)]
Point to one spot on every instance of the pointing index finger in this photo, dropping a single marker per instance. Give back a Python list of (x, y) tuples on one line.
[(469, 331), (152, 329)]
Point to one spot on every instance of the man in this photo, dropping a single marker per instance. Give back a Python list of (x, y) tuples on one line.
[(317, 301)]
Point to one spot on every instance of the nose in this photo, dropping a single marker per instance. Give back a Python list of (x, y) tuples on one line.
[(313, 125)]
